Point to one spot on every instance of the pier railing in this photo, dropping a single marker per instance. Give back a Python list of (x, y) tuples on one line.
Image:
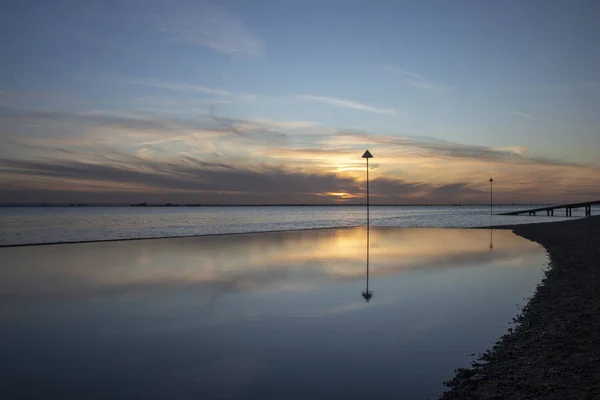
[(550, 209)]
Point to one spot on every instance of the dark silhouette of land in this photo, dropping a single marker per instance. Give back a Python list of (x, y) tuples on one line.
[(146, 204)]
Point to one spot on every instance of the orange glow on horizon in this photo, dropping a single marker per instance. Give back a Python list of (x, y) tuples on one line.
[(341, 195)]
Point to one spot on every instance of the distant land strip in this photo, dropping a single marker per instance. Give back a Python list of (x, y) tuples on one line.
[(264, 205)]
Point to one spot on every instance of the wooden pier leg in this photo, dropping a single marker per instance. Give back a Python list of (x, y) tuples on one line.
[(566, 212), (552, 212), (547, 213)]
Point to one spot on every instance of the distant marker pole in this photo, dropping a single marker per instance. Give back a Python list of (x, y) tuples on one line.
[(491, 197), (367, 155)]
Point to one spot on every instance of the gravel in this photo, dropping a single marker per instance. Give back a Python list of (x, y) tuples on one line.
[(554, 350)]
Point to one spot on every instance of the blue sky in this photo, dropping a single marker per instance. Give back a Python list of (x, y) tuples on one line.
[(445, 93)]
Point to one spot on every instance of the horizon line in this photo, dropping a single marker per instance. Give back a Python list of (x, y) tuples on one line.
[(168, 204)]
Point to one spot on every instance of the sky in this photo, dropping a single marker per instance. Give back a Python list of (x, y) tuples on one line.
[(275, 101)]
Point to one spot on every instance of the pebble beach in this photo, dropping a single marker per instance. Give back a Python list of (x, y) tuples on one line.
[(554, 350)]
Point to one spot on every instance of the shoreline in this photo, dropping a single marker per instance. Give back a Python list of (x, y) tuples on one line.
[(2, 246), (554, 350), (259, 232)]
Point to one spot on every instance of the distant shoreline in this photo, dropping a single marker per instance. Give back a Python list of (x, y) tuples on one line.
[(180, 237), (168, 205), (257, 232)]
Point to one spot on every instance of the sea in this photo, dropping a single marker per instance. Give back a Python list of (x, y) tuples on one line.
[(315, 306), (336, 314), (37, 225)]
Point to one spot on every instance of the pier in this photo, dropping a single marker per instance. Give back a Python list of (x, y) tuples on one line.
[(550, 209)]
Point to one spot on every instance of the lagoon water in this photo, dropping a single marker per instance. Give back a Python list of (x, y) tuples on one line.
[(28, 225), (269, 315)]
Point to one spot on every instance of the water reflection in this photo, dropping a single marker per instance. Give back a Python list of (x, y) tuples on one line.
[(367, 294), (491, 239), (286, 261), (272, 315)]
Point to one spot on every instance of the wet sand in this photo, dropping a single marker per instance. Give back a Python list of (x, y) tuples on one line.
[(554, 350)]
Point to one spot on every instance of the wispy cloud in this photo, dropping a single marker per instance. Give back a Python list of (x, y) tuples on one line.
[(523, 115), (177, 86), (217, 182), (207, 24), (139, 176), (174, 156), (444, 149), (289, 125), (141, 128), (153, 128), (418, 81), (336, 101)]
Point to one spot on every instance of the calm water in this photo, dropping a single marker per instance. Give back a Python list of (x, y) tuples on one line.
[(260, 316), (44, 225)]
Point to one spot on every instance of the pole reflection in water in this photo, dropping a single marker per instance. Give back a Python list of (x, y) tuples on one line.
[(491, 239), (367, 294)]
